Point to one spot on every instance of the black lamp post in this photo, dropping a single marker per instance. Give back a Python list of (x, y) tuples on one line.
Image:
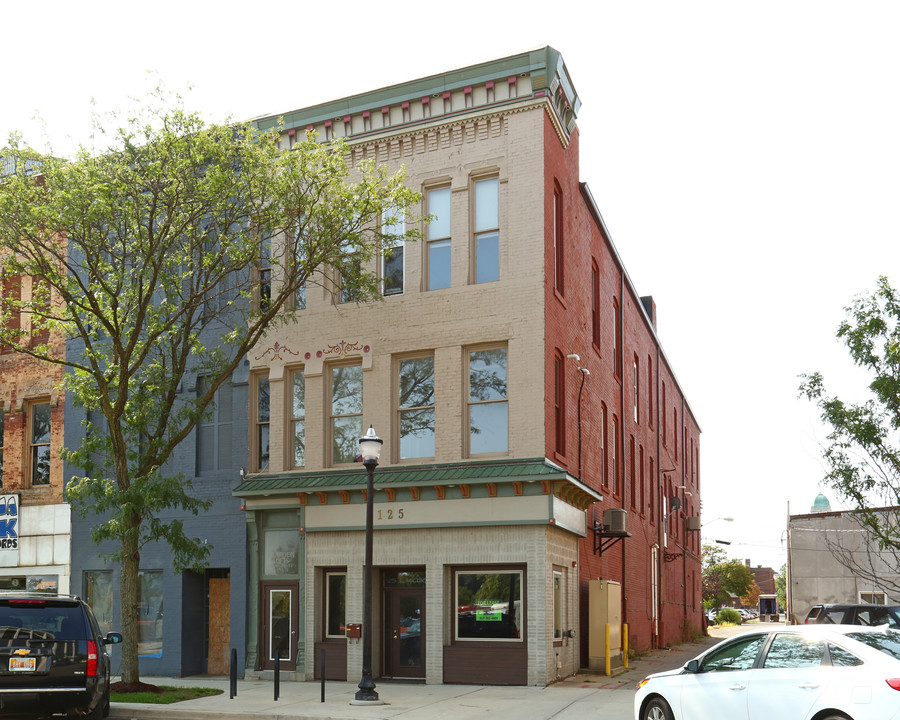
[(370, 449)]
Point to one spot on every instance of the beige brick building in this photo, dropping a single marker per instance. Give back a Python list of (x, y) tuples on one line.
[(480, 512)]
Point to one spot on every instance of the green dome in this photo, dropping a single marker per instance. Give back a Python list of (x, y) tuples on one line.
[(821, 504)]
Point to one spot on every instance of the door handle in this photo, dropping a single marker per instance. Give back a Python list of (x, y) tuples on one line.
[(737, 687), (808, 685)]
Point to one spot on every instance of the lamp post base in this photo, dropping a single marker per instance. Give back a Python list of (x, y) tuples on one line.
[(366, 696)]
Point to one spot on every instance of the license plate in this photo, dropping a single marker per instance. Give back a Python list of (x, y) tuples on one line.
[(22, 664)]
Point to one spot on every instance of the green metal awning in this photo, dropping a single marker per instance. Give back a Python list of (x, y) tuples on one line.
[(552, 478)]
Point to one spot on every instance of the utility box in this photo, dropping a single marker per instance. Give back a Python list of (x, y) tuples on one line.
[(604, 608)]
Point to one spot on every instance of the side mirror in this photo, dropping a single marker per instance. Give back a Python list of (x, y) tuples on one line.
[(692, 667), (112, 638)]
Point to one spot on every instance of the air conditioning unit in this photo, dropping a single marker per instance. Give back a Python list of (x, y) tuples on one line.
[(614, 520), (692, 523)]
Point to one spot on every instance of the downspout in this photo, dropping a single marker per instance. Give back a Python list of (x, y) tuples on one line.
[(684, 549), (658, 509)]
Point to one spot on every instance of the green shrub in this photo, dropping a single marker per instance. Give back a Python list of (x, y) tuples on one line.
[(728, 615)]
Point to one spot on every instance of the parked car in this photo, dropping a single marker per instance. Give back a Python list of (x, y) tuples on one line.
[(53, 658), (855, 614), (828, 672)]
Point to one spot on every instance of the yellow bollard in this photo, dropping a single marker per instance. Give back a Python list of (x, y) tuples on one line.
[(608, 668), (625, 644)]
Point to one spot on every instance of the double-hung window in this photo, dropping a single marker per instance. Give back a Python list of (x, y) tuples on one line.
[(416, 407), (265, 273), (438, 238), (488, 413), (346, 412), (39, 442), (298, 417), (214, 441), (262, 416), (349, 290), (487, 230), (392, 229)]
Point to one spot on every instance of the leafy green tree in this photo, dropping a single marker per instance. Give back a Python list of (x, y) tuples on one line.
[(168, 253), (862, 454), (723, 578)]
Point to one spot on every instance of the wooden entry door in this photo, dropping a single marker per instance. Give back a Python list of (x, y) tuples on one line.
[(280, 621), (404, 635)]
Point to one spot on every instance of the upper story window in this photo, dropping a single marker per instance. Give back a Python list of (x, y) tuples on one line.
[(617, 339), (559, 402), (393, 227), (39, 442), (487, 230), (415, 407), (595, 305), (12, 292), (261, 423), (265, 273), (614, 456), (298, 418), (214, 439), (438, 238), (300, 292), (636, 387), (650, 389), (559, 277), (346, 406), (604, 475), (348, 290), (488, 405)]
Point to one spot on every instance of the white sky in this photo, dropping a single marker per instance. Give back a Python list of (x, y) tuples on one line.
[(745, 157)]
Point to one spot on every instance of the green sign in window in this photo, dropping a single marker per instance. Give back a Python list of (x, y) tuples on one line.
[(488, 615)]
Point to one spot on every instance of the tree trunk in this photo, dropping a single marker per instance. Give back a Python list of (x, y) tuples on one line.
[(129, 594)]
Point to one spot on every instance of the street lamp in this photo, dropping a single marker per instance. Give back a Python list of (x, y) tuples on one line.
[(370, 450)]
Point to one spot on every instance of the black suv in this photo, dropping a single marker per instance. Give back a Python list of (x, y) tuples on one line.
[(53, 658), (855, 614)]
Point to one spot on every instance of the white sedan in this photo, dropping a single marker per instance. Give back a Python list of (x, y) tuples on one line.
[(826, 672)]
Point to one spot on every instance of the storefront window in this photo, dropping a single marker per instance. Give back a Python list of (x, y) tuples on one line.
[(335, 604), (489, 605), (98, 593), (281, 552), (150, 613)]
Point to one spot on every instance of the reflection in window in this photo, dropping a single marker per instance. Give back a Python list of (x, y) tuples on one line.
[(888, 643), (346, 412), (392, 227), (738, 655), (98, 593), (794, 651), (335, 604), (416, 405), (214, 429), (487, 231), (40, 443), (262, 423), (842, 658), (489, 605), (298, 413), (438, 238), (265, 273), (150, 613), (488, 408), (281, 552)]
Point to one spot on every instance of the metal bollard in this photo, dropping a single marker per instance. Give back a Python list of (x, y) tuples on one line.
[(277, 672), (232, 677)]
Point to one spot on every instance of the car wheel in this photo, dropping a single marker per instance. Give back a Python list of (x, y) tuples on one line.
[(657, 709), (839, 716)]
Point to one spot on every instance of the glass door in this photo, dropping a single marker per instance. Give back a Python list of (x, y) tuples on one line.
[(280, 606), (404, 623)]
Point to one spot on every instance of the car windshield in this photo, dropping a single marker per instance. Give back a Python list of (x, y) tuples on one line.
[(887, 642)]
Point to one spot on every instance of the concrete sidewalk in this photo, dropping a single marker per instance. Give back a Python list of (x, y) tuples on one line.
[(580, 697)]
